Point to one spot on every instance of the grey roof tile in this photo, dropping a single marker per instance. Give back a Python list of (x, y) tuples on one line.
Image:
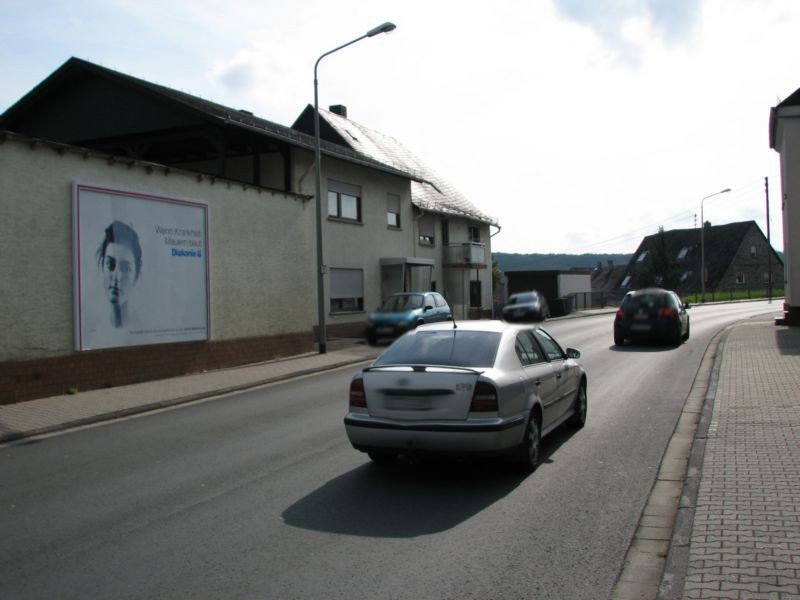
[(433, 193)]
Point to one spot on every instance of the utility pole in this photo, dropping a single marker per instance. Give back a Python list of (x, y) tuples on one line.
[(769, 245)]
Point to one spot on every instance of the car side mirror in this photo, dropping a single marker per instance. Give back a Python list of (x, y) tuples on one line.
[(687, 306), (573, 353)]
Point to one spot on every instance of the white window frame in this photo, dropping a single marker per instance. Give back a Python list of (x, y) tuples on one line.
[(337, 193), (393, 211), (427, 230)]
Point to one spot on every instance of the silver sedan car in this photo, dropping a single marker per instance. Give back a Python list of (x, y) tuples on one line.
[(473, 387)]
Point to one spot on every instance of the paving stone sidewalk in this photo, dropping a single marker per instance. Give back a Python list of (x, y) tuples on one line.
[(745, 540)]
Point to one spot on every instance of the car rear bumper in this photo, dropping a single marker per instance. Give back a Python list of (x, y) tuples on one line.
[(387, 330), (653, 330), (480, 436)]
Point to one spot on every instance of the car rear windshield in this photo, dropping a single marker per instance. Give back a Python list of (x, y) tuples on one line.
[(522, 298), (402, 303), (452, 348), (646, 301)]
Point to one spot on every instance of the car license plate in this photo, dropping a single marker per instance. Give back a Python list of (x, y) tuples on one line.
[(640, 327), (384, 329)]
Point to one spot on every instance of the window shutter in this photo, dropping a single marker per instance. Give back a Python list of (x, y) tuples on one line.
[(346, 283)]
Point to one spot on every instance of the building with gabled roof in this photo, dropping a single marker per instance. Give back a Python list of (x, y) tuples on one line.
[(784, 138), (429, 191), (89, 136), (447, 225), (737, 257)]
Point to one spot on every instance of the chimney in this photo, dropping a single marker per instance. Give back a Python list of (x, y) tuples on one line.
[(610, 264), (339, 109)]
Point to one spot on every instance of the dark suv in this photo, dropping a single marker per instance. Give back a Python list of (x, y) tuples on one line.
[(651, 314)]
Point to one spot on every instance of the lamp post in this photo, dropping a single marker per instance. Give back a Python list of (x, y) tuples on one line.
[(703, 245), (322, 337)]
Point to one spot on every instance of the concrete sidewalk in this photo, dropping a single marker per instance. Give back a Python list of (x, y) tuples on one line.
[(46, 415)]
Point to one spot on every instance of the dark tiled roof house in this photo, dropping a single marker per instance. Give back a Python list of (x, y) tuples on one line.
[(737, 256)]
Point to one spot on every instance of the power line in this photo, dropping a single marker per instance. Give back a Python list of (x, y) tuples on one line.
[(739, 193)]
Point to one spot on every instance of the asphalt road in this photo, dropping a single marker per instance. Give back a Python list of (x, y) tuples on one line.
[(259, 495)]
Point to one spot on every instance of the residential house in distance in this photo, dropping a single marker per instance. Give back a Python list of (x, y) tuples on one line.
[(606, 281), (737, 257), (564, 291), (784, 138), (222, 204), (451, 236)]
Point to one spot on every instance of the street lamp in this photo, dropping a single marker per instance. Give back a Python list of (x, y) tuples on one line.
[(322, 338), (703, 245)]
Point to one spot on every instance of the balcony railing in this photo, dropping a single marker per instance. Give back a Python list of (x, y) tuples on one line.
[(466, 253)]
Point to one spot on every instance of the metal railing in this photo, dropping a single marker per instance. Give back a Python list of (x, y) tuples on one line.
[(473, 253)]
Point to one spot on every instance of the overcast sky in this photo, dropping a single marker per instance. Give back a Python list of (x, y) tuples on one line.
[(580, 125)]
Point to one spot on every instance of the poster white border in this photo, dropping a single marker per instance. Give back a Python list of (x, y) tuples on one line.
[(153, 331)]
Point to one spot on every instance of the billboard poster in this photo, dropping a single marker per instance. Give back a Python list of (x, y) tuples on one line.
[(141, 271)]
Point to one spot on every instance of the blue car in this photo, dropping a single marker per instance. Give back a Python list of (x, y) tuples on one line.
[(403, 312)]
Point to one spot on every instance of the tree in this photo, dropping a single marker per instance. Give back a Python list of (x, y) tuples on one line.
[(497, 274)]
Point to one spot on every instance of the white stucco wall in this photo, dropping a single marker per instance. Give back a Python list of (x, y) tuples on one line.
[(261, 248), (788, 145), (579, 284), (358, 245)]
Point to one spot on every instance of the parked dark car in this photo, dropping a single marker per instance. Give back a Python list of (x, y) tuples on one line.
[(403, 312), (651, 314), (525, 307)]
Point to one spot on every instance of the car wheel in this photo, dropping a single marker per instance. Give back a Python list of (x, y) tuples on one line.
[(618, 339), (686, 335), (578, 418), (372, 339), (381, 457), (531, 445), (677, 336)]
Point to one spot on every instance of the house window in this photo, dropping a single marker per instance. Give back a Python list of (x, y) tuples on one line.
[(659, 279), (347, 290), (474, 234), (686, 275), (642, 256), (393, 210), (740, 279), (625, 282), (426, 231), (766, 277), (752, 251), (445, 232), (344, 201), (684, 251), (475, 294)]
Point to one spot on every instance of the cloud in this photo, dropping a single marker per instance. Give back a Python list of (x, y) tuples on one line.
[(237, 75)]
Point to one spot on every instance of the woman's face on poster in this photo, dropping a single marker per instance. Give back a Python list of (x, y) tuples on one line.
[(119, 273)]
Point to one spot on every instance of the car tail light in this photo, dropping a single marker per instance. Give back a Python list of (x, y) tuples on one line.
[(357, 396), (620, 314), (666, 312), (484, 398)]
